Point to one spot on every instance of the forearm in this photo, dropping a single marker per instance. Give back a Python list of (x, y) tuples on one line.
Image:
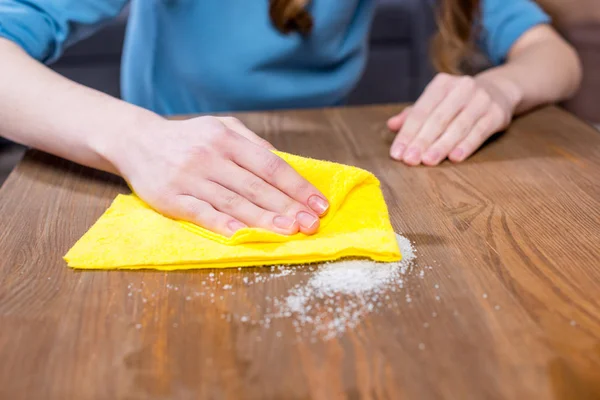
[(541, 69), (41, 109)]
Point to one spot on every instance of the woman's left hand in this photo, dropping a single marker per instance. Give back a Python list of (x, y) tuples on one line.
[(453, 117)]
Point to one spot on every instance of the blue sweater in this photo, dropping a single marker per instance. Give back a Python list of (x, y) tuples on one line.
[(190, 56)]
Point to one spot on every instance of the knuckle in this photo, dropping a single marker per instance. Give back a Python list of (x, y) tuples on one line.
[(438, 119), (254, 185), (200, 152), (229, 201), (209, 219), (303, 188), (183, 207), (230, 119), (467, 83), (219, 136), (469, 116), (483, 96), (444, 148), (205, 119), (255, 188), (170, 205), (414, 121), (418, 143), (401, 141), (288, 209), (460, 126), (498, 115), (442, 78), (264, 218), (273, 166), (291, 208)]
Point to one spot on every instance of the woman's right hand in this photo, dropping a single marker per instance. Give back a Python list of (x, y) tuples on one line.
[(218, 174)]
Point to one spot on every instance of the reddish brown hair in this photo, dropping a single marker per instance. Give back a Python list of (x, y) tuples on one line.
[(458, 25), (451, 46), (290, 15)]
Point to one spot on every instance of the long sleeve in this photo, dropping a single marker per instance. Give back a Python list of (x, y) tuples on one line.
[(504, 21), (43, 28)]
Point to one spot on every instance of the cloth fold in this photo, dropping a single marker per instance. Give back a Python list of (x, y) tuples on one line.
[(131, 235)]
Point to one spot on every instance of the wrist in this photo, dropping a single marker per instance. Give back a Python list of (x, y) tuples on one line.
[(115, 146), (501, 86)]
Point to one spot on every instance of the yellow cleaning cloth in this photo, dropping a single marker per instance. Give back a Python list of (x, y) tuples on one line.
[(131, 235)]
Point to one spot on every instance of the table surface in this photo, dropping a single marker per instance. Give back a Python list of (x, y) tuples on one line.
[(509, 309)]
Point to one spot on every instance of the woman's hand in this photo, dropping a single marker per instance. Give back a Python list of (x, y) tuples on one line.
[(217, 173), (453, 117)]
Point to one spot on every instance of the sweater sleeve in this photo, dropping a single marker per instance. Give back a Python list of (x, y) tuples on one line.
[(43, 28), (504, 22)]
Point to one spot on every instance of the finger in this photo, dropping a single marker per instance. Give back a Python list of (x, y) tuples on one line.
[(396, 122), (231, 203), (458, 129), (439, 119), (237, 126), (483, 129), (201, 213), (262, 194), (275, 171), (434, 93)]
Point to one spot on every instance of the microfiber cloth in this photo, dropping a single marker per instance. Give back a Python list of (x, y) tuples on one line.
[(131, 235)]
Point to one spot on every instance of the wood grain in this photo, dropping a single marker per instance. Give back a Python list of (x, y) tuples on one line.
[(512, 236)]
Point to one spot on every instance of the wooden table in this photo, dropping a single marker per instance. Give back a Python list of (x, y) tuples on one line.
[(512, 236)]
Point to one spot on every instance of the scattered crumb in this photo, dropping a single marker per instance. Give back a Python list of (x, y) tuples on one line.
[(335, 296)]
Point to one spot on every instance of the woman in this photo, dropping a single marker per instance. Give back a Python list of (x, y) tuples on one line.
[(187, 56)]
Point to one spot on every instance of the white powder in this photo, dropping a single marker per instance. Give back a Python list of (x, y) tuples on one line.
[(340, 294), (335, 298)]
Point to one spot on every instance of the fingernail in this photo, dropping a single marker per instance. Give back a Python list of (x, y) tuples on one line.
[(283, 222), (306, 220), (318, 204), (397, 151), (412, 156), (432, 157), (457, 154), (235, 226)]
